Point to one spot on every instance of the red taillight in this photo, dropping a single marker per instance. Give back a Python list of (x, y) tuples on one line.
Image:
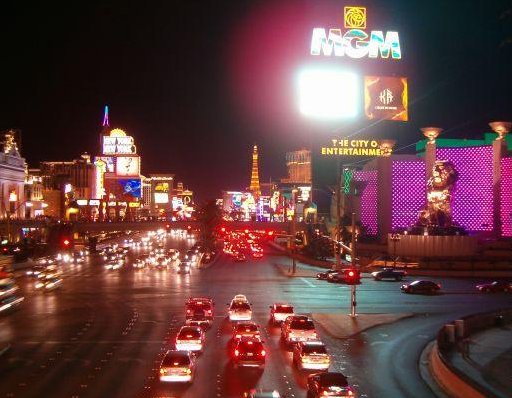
[(66, 242), (270, 233), (439, 285), (263, 353), (237, 353), (188, 311), (209, 312), (238, 336)]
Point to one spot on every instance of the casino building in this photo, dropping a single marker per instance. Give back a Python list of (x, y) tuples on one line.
[(392, 190)]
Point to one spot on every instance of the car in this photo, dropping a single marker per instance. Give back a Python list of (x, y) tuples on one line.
[(246, 329), (177, 366), (421, 286), (199, 311), (311, 355), (336, 277), (262, 394), (10, 302), (389, 273), (324, 275), (279, 312), (184, 267), (248, 352), (139, 263), (240, 297), (8, 286), (48, 284), (190, 338), (298, 328), (239, 310), (495, 287), (329, 384), (240, 258)]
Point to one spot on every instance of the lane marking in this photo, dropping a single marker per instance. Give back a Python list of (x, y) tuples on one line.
[(307, 282)]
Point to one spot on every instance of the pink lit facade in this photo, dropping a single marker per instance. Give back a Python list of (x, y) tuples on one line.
[(506, 197), (369, 210), (408, 192), (395, 190), (472, 201)]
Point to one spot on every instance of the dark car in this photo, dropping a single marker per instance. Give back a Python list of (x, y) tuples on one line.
[(495, 287), (248, 352), (389, 273), (330, 384), (422, 287), (324, 275), (336, 277)]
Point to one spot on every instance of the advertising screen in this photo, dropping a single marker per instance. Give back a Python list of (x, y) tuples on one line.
[(131, 187), (109, 162), (386, 98), (118, 145), (162, 187), (161, 197), (127, 166)]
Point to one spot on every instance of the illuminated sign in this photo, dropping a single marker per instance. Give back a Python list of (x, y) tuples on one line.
[(133, 204), (162, 187), (127, 166), (161, 197), (81, 202), (100, 174), (304, 194), (118, 143), (94, 202), (109, 163), (386, 98), (177, 203), (355, 42), (131, 187), (357, 147)]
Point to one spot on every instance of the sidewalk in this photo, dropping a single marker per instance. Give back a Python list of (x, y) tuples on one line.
[(487, 360)]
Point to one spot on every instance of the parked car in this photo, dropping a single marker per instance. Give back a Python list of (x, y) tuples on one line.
[(421, 287), (389, 273), (495, 287)]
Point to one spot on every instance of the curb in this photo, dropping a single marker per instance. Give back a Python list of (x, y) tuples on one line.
[(450, 382), (424, 367)]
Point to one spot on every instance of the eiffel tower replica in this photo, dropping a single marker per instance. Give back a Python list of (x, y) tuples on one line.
[(255, 175)]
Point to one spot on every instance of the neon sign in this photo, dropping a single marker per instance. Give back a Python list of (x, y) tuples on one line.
[(355, 42), (118, 143)]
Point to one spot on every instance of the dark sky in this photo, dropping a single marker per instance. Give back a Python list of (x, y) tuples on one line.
[(197, 83)]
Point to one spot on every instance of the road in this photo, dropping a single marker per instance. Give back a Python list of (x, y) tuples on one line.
[(104, 332)]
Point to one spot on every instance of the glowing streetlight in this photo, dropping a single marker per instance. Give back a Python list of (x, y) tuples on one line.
[(501, 128)]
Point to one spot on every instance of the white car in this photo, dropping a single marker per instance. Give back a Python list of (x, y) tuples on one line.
[(279, 312), (190, 338), (239, 311), (178, 366)]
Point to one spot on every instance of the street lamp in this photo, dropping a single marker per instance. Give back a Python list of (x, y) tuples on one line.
[(395, 238)]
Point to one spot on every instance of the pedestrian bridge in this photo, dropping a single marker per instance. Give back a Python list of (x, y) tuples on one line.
[(98, 227)]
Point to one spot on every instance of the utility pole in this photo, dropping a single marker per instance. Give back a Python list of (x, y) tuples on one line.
[(337, 236), (353, 302), (294, 230)]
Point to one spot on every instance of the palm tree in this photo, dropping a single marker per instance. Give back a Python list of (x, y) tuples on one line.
[(210, 217)]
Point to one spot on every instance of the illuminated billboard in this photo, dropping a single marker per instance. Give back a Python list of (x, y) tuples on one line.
[(355, 42), (357, 147), (109, 163), (329, 93), (161, 197), (127, 166), (162, 187), (386, 98), (131, 187), (118, 143)]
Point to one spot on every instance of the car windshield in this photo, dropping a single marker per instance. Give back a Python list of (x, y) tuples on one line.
[(333, 379), (176, 359), (302, 324), (189, 334), (250, 346), (240, 306), (247, 328), (314, 349), (285, 309)]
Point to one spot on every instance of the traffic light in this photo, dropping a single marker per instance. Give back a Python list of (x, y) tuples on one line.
[(352, 276)]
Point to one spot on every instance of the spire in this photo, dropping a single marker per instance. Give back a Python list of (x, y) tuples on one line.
[(105, 117), (255, 176)]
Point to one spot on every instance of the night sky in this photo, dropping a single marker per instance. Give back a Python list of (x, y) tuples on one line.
[(197, 83)]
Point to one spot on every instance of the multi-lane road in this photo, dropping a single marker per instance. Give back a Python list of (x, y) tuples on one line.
[(104, 332)]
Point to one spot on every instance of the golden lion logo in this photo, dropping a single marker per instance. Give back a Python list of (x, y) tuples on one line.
[(355, 17)]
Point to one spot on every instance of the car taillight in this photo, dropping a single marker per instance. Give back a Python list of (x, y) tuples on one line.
[(350, 393), (237, 353), (439, 285), (238, 336), (263, 353), (163, 371), (209, 312), (188, 311), (189, 371)]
